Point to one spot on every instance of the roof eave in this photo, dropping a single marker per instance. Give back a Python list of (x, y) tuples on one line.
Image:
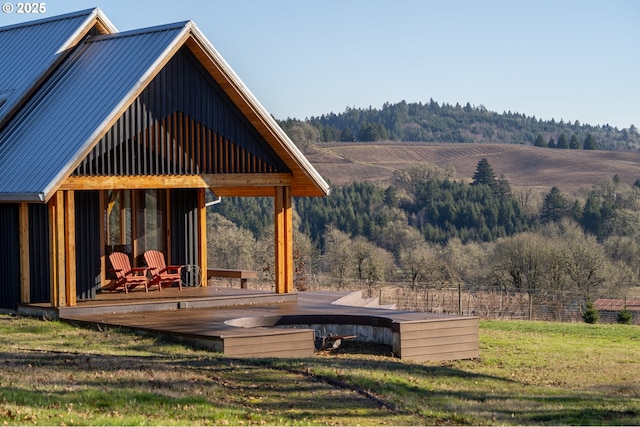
[(261, 113), (22, 197)]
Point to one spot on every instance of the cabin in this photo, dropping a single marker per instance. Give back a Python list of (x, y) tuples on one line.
[(111, 141)]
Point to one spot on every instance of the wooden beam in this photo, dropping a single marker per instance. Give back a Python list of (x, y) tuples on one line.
[(25, 277), (283, 240), (70, 247), (202, 236), (230, 180)]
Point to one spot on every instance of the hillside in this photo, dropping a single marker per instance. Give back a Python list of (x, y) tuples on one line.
[(524, 166)]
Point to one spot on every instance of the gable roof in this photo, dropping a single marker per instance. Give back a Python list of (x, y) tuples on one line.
[(75, 106)]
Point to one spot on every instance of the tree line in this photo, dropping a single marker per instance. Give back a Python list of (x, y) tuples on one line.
[(426, 230), (435, 122)]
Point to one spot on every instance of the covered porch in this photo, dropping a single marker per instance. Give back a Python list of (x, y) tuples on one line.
[(129, 134), (86, 224)]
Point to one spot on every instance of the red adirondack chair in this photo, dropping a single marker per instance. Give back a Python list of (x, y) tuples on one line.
[(127, 278), (162, 275)]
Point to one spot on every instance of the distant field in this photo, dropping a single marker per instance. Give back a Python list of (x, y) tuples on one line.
[(524, 166)]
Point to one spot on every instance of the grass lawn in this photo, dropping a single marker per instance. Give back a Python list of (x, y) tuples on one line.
[(52, 373)]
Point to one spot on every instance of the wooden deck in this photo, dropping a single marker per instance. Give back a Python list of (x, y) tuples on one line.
[(241, 322)]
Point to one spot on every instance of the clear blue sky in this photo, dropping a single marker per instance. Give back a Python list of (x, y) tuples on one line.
[(570, 60)]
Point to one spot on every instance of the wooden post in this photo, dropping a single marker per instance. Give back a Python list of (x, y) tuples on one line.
[(25, 278), (57, 249), (202, 235), (283, 240), (70, 247)]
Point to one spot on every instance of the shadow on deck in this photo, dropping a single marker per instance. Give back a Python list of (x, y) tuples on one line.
[(242, 322)]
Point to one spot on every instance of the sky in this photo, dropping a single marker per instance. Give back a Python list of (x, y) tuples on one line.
[(563, 59)]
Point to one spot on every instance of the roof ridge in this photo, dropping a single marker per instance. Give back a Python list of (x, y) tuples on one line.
[(141, 31), (50, 19)]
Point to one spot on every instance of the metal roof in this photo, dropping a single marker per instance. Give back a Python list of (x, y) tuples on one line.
[(69, 110), (59, 123), (31, 49)]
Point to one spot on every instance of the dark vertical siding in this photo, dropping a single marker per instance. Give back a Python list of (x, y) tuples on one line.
[(182, 124), (87, 207), (9, 256), (184, 227), (39, 267)]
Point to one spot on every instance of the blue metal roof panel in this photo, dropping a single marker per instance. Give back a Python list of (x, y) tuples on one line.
[(56, 127), (29, 50)]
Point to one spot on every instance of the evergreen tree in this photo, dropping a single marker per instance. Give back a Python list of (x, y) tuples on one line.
[(563, 141), (554, 206), (484, 174), (347, 135), (551, 143), (590, 142), (592, 220), (574, 143), (539, 141)]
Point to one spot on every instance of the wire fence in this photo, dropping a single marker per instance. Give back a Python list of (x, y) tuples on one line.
[(485, 304)]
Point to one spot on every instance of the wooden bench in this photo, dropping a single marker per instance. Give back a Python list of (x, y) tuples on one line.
[(243, 275)]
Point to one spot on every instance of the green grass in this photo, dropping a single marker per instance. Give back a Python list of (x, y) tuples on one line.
[(534, 373)]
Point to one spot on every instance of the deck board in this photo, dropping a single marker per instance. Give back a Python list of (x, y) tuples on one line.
[(201, 315)]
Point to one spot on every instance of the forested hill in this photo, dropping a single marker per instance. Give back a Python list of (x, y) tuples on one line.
[(434, 122)]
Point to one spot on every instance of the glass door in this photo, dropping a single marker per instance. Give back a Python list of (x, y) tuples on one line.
[(136, 221)]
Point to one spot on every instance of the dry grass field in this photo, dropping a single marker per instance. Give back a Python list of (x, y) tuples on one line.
[(525, 167)]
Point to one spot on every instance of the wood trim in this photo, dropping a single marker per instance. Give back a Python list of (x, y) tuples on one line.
[(25, 275), (56, 249), (231, 180), (202, 235), (70, 248), (283, 240), (53, 273)]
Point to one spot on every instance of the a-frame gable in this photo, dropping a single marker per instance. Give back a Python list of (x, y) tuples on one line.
[(183, 123), (66, 122)]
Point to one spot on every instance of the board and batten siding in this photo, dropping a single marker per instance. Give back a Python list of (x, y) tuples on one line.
[(9, 255)]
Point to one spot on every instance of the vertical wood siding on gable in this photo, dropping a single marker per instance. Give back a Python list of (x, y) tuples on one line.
[(181, 124)]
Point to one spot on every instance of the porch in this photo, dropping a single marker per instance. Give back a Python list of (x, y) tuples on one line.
[(244, 322)]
